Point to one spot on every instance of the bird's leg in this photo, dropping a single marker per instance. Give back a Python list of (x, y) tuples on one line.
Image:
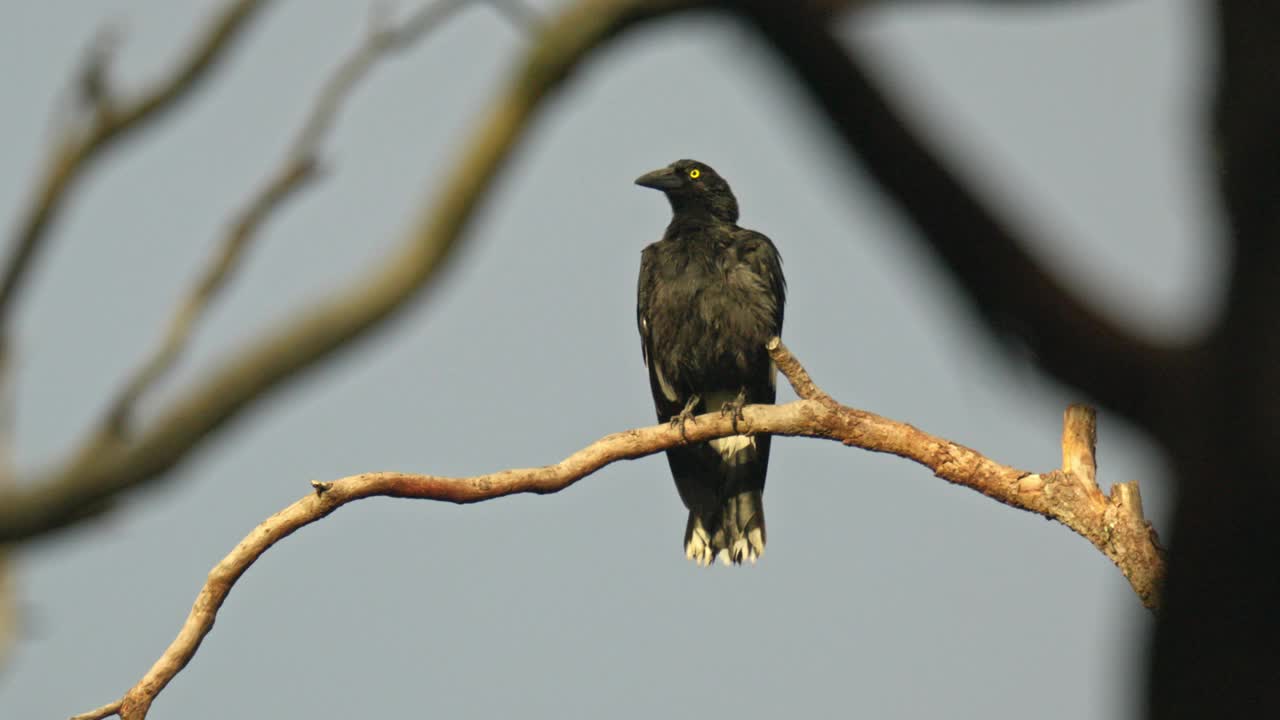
[(734, 408), (685, 415)]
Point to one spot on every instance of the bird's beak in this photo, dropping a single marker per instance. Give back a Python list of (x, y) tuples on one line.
[(664, 179)]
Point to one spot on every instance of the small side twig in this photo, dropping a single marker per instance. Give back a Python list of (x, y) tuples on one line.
[(795, 374), (106, 711), (1051, 494), (1079, 441)]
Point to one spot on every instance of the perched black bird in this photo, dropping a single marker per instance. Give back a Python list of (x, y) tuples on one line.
[(710, 297)]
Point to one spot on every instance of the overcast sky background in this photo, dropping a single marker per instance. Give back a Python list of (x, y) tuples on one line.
[(885, 593)]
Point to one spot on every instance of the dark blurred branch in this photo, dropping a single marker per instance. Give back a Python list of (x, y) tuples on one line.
[(111, 119), (1011, 291), (300, 165), (1214, 653), (1068, 495)]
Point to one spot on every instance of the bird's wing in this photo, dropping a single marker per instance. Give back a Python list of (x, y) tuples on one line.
[(664, 397), (644, 292), (666, 400), (757, 252)]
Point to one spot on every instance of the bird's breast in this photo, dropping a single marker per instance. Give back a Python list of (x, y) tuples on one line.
[(710, 317)]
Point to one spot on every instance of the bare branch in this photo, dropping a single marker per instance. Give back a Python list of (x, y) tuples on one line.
[(299, 166), (10, 613), (112, 120), (106, 711), (795, 374), (1056, 495), (1079, 443)]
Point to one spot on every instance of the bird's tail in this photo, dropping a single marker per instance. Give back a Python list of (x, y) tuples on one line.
[(734, 535), (741, 533)]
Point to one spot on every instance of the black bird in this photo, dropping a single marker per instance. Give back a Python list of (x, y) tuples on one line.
[(710, 297)]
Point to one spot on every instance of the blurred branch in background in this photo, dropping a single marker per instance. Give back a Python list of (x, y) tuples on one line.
[(301, 164), (112, 460), (1018, 297), (100, 120), (1215, 653), (110, 120), (1069, 495)]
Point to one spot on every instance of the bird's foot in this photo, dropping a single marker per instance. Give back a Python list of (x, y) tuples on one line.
[(734, 407), (685, 415)]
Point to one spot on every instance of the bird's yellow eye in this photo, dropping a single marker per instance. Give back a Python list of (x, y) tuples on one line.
[(694, 173)]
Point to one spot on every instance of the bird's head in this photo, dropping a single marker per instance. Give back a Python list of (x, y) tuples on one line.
[(693, 188)]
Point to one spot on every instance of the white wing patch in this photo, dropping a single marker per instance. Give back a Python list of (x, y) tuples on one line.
[(667, 391)]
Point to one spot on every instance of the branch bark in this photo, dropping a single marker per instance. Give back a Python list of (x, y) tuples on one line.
[(1068, 495)]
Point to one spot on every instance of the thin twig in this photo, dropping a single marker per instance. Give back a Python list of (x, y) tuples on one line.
[(112, 119), (801, 383), (106, 711), (1052, 494), (299, 166)]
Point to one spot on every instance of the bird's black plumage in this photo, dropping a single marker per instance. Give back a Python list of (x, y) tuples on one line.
[(710, 296)]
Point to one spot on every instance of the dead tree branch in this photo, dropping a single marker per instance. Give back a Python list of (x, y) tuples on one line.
[(112, 119), (106, 711), (1069, 495)]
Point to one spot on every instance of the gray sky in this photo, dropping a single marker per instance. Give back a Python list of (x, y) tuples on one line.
[(885, 592)]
